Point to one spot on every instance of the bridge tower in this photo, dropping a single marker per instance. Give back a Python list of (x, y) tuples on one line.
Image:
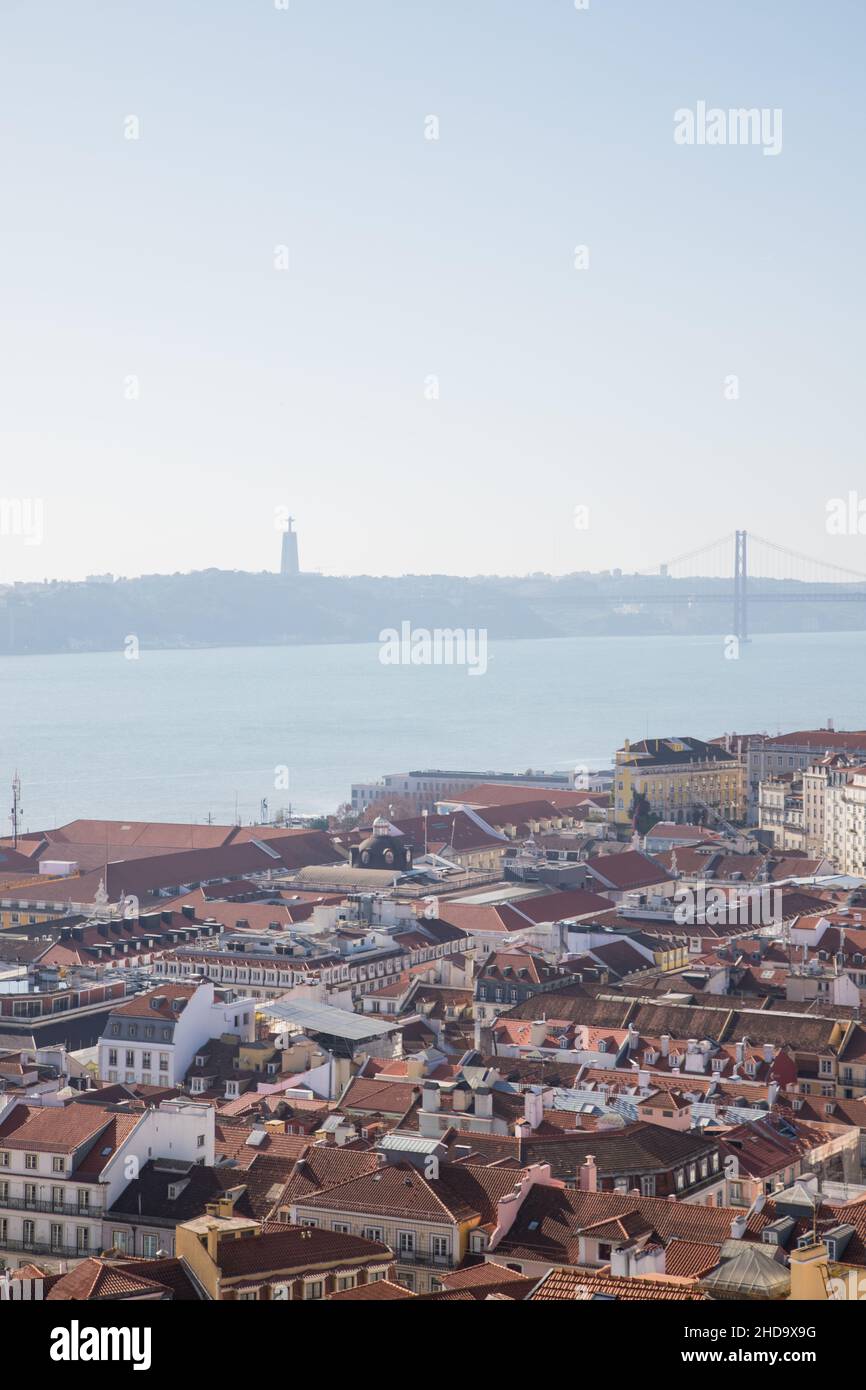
[(741, 575)]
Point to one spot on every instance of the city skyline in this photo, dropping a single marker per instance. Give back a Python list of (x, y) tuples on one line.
[(485, 290)]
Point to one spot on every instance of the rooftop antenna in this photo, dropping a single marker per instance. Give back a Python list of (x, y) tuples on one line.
[(16, 808)]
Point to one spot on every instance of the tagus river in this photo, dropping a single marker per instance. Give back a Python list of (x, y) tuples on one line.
[(183, 734)]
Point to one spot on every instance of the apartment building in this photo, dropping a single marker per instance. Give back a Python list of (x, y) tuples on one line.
[(236, 1259), (152, 1038), (767, 755), (817, 777), (780, 811), (845, 819), (427, 1222), (679, 780), (62, 1166)]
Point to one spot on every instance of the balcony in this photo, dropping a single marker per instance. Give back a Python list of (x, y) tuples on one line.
[(41, 1247), (426, 1259), (49, 1208)]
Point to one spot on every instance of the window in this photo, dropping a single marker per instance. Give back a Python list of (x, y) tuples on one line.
[(112, 1056), (199, 1141), (130, 1058), (120, 1241), (145, 1060), (439, 1246), (314, 1290), (163, 1061), (56, 1235), (373, 1233), (58, 1165), (31, 1162), (28, 1232), (406, 1242), (342, 1227), (346, 1281), (4, 1158), (149, 1246)]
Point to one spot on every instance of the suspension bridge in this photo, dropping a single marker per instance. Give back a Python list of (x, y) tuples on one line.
[(740, 570)]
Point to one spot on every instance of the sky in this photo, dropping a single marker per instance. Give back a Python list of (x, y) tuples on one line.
[(284, 294)]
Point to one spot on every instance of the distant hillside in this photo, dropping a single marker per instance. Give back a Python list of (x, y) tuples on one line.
[(213, 608)]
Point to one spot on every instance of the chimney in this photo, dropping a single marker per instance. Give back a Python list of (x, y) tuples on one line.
[(483, 1102), (587, 1175), (643, 1080), (740, 1051), (460, 1096), (769, 1051), (633, 1037), (533, 1108), (665, 1043), (738, 1227), (772, 1093), (430, 1096), (537, 1032), (213, 1240)]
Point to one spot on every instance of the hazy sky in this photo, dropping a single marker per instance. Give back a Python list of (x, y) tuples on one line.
[(411, 258)]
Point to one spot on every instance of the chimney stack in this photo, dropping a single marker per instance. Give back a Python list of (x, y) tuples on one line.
[(533, 1108), (588, 1175)]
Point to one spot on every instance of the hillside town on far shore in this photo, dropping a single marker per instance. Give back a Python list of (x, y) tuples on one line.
[(593, 1035)]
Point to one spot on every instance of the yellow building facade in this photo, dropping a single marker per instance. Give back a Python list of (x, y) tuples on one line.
[(680, 778)]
